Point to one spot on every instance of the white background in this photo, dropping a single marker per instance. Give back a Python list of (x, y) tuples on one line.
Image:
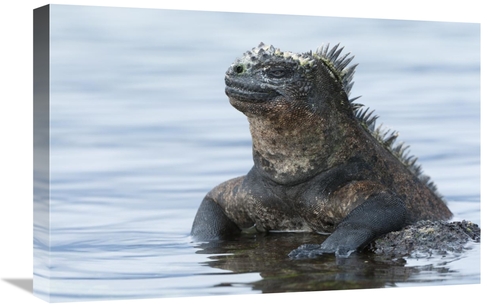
[(16, 156)]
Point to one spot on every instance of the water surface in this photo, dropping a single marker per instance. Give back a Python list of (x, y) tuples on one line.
[(141, 130)]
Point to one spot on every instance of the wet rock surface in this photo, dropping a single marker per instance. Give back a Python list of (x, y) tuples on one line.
[(426, 239)]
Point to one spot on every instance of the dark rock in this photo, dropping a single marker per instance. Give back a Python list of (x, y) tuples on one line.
[(426, 239)]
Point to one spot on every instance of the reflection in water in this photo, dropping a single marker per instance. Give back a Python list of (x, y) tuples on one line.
[(266, 254)]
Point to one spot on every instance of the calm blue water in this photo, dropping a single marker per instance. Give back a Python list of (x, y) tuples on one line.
[(141, 130)]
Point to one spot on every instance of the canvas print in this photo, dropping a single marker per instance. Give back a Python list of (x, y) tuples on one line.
[(189, 153)]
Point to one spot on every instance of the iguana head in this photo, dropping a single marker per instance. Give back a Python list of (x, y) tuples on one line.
[(266, 80)]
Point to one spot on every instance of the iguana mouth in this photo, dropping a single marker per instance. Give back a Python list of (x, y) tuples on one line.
[(248, 92)]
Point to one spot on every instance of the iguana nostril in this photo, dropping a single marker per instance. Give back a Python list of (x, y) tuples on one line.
[(238, 69)]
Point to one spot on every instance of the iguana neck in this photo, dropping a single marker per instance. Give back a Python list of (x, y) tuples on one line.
[(289, 151)]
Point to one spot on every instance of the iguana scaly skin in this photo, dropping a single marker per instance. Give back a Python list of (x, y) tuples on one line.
[(319, 163)]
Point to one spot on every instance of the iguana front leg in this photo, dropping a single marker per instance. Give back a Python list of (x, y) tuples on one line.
[(221, 213), (211, 223), (378, 215)]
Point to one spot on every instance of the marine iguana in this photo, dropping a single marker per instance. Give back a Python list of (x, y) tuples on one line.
[(320, 165)]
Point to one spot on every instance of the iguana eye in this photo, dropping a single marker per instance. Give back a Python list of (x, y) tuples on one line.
[(277, 72)]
